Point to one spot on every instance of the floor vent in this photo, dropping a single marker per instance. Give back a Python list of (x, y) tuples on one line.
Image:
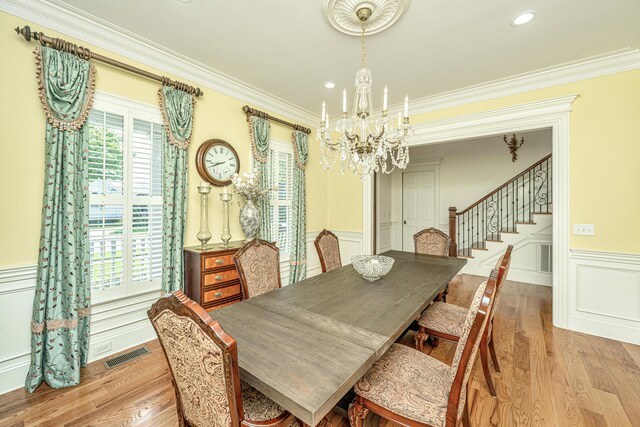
[(113, 362)]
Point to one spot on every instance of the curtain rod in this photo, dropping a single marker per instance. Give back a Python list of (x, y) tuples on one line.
[(63, 45), (253, 112)]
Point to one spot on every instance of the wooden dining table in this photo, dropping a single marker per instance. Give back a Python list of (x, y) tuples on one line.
[(305, 345)]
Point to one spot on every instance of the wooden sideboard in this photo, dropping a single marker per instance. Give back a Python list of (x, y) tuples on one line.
[(210, 275)]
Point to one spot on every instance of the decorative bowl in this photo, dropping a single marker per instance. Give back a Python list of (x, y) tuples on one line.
[(372, 267)]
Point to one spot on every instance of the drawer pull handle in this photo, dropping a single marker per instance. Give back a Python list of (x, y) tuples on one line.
[(218, 294), (219, 261), (219, 277)]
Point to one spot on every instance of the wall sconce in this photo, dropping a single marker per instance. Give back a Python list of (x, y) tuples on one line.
[(513, 146)]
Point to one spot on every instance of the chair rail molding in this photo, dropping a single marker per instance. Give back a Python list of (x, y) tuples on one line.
[(551, 113), (64, 18)]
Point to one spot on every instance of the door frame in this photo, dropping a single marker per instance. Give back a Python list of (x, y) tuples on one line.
[(554, 113)]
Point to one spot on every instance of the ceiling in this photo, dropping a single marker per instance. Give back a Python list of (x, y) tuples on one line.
[(286, 48)]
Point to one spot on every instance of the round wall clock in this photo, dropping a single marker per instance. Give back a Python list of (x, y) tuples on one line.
[(217, 161)]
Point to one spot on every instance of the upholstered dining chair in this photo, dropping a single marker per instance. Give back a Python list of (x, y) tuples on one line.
[(443, 320), (258, 264), (328, 248), (415, 390), (203, 361), (431, 242)]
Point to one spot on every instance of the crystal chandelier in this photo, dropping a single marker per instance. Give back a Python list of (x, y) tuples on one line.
[(366, 143)]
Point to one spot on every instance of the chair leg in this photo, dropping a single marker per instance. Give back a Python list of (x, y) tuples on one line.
[(485, 365), (420, 337), (357, 413), (465, 412), (494, 357)]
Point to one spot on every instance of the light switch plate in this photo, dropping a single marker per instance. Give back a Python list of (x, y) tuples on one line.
[(584, 229)]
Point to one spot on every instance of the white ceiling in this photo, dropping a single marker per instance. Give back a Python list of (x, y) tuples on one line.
[(286, 48)]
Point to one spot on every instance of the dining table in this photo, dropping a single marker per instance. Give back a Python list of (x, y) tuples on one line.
[(305, 345)]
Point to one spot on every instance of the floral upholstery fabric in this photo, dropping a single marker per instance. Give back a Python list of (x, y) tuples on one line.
[(260, 266), (257, 406), (432, 242), (443, 317), (330, 252), (409, 383), (199, 369)]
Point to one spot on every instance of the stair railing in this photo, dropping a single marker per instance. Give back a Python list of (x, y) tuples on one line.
[(501, 210)]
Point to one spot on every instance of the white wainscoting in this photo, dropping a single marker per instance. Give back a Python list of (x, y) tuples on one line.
[(115, 325), (605, 294)]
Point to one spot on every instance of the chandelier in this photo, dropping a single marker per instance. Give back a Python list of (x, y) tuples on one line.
[(367, 143)]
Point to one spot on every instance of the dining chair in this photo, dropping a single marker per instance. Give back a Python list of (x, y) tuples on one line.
[(258, 264), (433, 242), (328, 248), (444, 320), (413, 389), (203, 362)]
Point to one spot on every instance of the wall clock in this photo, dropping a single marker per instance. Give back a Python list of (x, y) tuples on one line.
[(217, 161)]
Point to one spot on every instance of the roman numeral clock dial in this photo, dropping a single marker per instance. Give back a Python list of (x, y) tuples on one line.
[(217, 161)]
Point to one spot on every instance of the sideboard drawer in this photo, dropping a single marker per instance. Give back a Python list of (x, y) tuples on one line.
[(221, 293), (219, 277), (211, 262)]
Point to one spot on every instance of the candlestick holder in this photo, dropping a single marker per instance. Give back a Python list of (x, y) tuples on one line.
[(204, 235), (226, 198)]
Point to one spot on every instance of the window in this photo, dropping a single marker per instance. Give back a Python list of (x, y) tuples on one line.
[(125, 197), (281, 164)]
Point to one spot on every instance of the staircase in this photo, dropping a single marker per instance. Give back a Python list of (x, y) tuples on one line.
[(500, 213)]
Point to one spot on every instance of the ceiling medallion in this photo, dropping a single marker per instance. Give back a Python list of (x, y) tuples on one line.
[(341, 14)]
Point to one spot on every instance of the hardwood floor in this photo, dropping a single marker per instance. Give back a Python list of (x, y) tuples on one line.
[(550, 377)]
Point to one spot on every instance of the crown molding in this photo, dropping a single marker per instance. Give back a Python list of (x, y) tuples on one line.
[(570, 72), (58, 16), (65, 19)]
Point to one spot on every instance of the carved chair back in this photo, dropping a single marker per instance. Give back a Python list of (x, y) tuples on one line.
[(328, 248), (258, 264), (432, 242), (463, 361), (503, 269), (203, 361)]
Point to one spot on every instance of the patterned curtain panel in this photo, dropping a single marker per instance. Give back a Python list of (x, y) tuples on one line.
[(60, 323), (259, 134), (298, 261), (177, 112)]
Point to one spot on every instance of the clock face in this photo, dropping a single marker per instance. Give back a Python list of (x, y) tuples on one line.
[(217, 161), (220, 162)]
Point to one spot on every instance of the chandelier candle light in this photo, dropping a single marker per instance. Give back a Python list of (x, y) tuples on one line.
[(367, 143)]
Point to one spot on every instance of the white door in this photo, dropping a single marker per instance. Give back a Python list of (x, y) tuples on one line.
[(418, 205)]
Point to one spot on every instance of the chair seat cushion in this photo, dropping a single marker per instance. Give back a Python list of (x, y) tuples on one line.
[(409, 383), (443, 317), (257, 406)]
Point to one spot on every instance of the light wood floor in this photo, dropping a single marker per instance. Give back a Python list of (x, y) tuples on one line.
[(550, 377)]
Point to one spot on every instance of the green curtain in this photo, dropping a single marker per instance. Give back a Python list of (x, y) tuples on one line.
[(177, 111), (60, 322), (298, 261), (259, 134)]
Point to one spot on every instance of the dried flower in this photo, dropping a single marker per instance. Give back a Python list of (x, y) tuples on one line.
[(249, 187)]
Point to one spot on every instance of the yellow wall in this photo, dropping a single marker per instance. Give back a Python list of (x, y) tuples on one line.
[(605, 157), (22, 125)]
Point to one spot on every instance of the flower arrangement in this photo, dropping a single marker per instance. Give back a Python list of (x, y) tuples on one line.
[(249, 187)]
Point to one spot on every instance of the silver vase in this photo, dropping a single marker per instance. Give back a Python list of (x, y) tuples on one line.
[(250, 220)]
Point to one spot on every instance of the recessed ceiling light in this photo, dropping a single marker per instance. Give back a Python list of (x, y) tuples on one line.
[(185, 1), (523, 18), (329, 85)]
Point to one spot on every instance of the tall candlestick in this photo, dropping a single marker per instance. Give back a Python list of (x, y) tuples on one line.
[(324, 108), (344, 101), (406, 105), (204, 234), (384, 100), (226, 197)]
